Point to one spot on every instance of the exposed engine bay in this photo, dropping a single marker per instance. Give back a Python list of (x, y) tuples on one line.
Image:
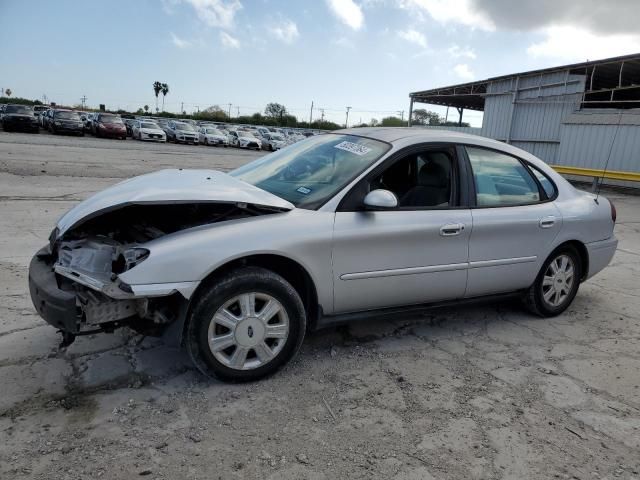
[(89, 258)]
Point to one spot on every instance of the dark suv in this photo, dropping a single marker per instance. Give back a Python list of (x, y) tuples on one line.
[(19, 117), (66, 121)]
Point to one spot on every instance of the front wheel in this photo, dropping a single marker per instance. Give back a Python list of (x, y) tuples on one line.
[(246, 326), (557, 283)]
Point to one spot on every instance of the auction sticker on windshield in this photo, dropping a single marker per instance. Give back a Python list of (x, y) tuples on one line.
[(353, 148)]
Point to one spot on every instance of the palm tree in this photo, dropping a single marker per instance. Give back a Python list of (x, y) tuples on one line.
[(7, 92), (165, 90), (146, 108), (157, 88)]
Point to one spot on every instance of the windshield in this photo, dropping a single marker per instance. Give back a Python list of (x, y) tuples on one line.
[(68, 115), (109, 119), (20, 109), (184, 127), (149, 125), (245, 134), (213, 131), (278, 138), (312, 171)]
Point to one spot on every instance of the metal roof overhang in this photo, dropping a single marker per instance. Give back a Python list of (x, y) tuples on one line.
[(604, 78)]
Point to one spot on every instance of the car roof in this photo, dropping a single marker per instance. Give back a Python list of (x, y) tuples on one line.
[(395, 134)]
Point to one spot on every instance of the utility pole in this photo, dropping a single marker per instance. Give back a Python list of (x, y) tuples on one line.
[(238, 111), (401, 112), (346, 123), (181, 107), (311, 114), (198, 108), (322, 116), (229, 110), (84, 101)]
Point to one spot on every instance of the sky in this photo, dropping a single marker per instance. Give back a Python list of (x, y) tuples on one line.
[(365, 54)]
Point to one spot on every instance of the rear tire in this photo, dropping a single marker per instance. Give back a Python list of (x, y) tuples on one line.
[(246, 326), (557, 283)]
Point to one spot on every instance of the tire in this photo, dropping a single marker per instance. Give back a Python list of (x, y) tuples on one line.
[(267, 288), (560, 290)]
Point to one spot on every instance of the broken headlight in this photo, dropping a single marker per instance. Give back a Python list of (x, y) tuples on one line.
[(128, 259)]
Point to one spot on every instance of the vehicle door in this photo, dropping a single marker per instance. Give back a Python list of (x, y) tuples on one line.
[(514, 222), (413, 254)]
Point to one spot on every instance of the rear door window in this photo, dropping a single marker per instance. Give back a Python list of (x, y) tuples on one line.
[(501, 180)]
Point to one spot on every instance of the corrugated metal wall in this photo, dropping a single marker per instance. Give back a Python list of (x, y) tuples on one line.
[(586, 138), (541, 114)]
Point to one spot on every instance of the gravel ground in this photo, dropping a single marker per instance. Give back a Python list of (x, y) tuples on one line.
[(483, 392)]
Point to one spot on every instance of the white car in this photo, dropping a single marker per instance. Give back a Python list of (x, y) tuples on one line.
[(212, 136), (146, 130), (273, 141), (244, 139)]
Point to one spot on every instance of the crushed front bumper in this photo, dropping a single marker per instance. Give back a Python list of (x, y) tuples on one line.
[(57, 307)]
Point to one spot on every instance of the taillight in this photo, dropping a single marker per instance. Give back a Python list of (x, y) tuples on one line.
[(614, 212)]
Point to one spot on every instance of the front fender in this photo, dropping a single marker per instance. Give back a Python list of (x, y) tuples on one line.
[(303, 236)]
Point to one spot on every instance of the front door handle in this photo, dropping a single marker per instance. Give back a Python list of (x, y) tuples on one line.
[(451, 229), (547, 222)]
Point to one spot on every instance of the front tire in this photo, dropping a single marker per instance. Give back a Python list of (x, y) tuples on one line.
[(246, 326), (557, 283)]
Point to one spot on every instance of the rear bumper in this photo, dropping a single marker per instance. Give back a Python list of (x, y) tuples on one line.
[(600, 254), (57, 307)]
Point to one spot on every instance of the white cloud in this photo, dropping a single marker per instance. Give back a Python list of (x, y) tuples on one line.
[(228, 41), (286, 31), (216, 13), (413, 36), (179, 42), (457, 52), (452, 11), (576, 44), (343, 42), (348, 12), (463, 71)]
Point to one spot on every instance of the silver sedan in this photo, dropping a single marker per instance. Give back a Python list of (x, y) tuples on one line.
[(350, 225)]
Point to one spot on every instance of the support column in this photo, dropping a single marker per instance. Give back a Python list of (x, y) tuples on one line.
[(460, 110), (410, 112)]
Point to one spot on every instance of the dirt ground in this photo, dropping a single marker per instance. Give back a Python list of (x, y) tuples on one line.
[(476, 392)]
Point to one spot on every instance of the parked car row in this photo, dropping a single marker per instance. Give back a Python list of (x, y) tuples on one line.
[(109, 125)]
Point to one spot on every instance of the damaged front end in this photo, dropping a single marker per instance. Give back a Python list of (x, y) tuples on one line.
[(75, 281)]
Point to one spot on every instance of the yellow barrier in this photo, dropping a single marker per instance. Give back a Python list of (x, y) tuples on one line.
[(596, 173)]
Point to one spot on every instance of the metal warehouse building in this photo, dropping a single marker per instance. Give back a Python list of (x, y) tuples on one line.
[(571, 116)]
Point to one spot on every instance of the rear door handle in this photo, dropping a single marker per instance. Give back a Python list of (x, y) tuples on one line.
[(451, 229), (547, 222)]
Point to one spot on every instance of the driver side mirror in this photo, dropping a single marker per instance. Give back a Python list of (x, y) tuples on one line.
[(380, 199)]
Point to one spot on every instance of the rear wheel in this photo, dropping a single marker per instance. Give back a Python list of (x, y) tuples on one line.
[(557, 283), (246, 327)]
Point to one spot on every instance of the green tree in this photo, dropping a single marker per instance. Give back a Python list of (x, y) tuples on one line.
[(393, 122), (164, 90), (146, 108), (275, 110), (157, 88), (422, 116), (7, 92)]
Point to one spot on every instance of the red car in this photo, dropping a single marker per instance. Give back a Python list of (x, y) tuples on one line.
[(108, 125)]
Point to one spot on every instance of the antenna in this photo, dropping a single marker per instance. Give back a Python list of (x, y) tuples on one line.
[(606, 165)]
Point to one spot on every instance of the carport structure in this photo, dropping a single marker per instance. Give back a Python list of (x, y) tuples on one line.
[(569, 115)]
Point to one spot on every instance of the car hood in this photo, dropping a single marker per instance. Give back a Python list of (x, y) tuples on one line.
[(152, 130), (171, 186)]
